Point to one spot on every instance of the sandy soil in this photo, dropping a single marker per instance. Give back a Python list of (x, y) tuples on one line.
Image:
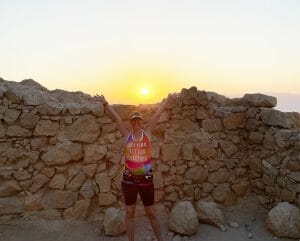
[(247, 213)]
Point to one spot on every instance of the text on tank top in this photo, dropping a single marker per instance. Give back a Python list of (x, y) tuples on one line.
[(138, 154)]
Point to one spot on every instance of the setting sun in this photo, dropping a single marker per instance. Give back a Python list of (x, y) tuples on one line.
[(144, 91)]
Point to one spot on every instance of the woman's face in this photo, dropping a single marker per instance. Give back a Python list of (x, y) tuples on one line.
[(136, 123)]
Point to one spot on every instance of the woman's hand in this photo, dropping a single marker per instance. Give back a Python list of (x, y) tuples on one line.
[(100, 98)]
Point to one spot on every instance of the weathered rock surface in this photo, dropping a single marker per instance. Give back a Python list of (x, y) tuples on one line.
[(210, 213), (183, 219), (114, 222), (284, 220)]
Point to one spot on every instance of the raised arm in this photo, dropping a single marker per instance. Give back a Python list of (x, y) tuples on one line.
[(153, 121), (114, 115)]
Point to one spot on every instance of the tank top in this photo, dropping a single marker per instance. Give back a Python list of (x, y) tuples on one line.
[(138, 154)]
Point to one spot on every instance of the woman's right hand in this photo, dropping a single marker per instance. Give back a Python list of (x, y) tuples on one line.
[(100, 98)]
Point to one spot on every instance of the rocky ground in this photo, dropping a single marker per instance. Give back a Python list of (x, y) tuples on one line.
[(246, 218)]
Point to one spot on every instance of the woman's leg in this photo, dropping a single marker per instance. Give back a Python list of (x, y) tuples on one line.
[(150, 212), (129, 221)]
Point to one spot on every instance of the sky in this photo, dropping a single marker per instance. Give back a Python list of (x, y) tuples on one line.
[(138, 51)]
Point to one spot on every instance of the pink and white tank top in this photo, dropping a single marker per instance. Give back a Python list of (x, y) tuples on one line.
[(138, 154)]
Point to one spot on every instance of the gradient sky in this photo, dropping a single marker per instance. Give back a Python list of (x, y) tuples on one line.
[(136, 51)]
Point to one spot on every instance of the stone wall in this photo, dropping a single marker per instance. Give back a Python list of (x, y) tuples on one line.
[(61, 154)]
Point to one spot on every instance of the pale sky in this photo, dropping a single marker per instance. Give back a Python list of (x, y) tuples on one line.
[(137, 51)]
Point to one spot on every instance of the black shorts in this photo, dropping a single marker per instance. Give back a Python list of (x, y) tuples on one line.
[(131, 189)]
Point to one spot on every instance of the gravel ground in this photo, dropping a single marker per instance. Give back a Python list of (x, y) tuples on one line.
[(248, 214)]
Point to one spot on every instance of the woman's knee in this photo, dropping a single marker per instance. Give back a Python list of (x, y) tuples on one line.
[(130, 210), (150, 212)]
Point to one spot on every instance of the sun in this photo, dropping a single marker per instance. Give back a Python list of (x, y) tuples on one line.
[(145, 91)]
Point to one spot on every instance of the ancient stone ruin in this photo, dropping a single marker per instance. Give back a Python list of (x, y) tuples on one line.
[(61, 154)]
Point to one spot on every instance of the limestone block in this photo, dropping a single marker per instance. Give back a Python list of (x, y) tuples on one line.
[(234, 121), (228, 147), (187, 151), (295, 176), (221, 192), (212, 125), (84, 129), (94, 153), (9, 188), (22, 175), (170, 152), (38, 182), (197, 174), (11, 205), (90, 170), (79, 211), (185, 125), (28, 120), (75, 183), (183, 219), (87, 190), (59, 199), (104, 182), (62, 153), (58, 181), (33, 202), (269, 169), (255, 137), (38, 142), (284, 138), (260, 100), (214, 165), (46, 128), (11, 115), (114, 222), (277, 118), (205, 149), (201, 113), (17, 131), (240, 188), (51, 108), (220, 176), (106, 199)]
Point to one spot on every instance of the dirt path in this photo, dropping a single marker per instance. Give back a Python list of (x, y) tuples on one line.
[(248, 214)]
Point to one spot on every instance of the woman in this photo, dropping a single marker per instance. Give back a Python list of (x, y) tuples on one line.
[(137, 175)]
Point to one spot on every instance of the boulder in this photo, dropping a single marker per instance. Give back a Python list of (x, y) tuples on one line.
[(210, 213), (114, 222), (284, 220), (183, 219)]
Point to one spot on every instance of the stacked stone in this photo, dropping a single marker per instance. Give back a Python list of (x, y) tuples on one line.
[(273, 151), (61, 155)]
